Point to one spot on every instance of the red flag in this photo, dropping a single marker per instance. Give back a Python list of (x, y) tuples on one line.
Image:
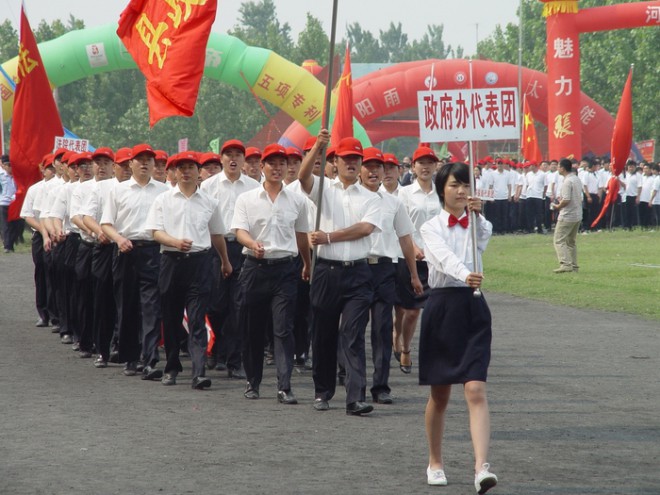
[(168, 41), (36, 121), (621, 144), (342, 126), (623, 130), (529, 142)]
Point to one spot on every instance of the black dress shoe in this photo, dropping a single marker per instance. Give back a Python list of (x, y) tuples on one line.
[(201, 382), (169, 378), (85, 354), (100, 362), (114, 357), (211, 362), (382, 398), (66, 339), (221, 366), (358, 408), (251, 393), (341, 380), (41, 323), (236, 373), (140, 366), (55, 329), (286, 397), (130, 368), (151, 373), (321, 404)]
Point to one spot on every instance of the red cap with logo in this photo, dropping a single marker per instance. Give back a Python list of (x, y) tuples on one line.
[(349, 146), (205, 158), (292, 151), (424, 152), (390, 158), (161, 155), (48, 160), (177, 158), (85, 156), (330, 153), (59, 152), (143, 148), (309, 143), (273, 150), (233, 143), (251, 151), (66, 156), (107, 152), (123, 154), (373, 154)]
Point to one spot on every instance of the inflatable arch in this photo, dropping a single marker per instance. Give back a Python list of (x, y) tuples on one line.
[(92, 51), (394, 89)]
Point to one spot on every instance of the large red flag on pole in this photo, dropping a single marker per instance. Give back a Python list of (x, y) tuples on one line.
[(342, 126), (529, 142), (621, 145), (36, 121), (167, 40)]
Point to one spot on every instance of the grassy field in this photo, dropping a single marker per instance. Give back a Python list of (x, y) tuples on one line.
[(609, 278), (619, 271)]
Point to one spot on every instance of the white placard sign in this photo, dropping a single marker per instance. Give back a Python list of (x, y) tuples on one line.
[(72, 144), (468, 115)]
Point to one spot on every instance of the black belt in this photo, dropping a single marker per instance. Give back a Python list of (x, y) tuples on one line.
[(143, 244), (342, 264), (270, 261), (230, 238), (88, 243), (178, 255), (375, 260)]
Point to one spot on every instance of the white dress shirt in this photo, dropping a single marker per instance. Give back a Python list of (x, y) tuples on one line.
[(226, 192), (343, 208), (632, 185), (535, 184), (27, 210), (449, 250), (78, 197), (395, 223), (93, 203), (272, 223), (500, 182), (127, 207), (420, 206), (60, 206), (42, 200), (196, 218)]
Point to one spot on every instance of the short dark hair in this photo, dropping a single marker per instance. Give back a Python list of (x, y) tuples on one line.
[(566, 164), (460, 171), (4, 158)]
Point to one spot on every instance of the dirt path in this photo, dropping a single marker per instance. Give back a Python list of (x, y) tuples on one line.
[(574, 398)]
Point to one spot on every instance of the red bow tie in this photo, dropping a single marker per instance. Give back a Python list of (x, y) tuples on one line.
[(463, 222)]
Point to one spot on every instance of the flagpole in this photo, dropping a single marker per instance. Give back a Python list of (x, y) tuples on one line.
[(324, 125), (520, 50), (473, 215)]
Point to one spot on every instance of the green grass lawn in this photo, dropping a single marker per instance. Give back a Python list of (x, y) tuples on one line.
[(608, 279)]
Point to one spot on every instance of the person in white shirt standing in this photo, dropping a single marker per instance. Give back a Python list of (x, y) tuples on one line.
[(633, 190), (644, 198), (136, 264), (654, 202), (535, 193), (187, 223), (568, 220)]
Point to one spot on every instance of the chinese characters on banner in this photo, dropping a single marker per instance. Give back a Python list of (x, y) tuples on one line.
[(77, 145), (647, 149), (468, 115), (183, 145)]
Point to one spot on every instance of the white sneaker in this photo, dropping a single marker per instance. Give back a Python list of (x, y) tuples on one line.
[(436, 477), (484, 480)]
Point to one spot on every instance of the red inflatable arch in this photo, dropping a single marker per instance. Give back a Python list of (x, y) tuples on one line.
[(393, 90)]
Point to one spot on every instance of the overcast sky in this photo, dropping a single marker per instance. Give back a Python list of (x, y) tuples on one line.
[(463, 20)]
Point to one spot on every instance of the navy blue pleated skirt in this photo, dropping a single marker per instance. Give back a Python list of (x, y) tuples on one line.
[(455, 338)]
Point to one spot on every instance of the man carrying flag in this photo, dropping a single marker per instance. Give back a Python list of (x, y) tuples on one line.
[(342, 126)]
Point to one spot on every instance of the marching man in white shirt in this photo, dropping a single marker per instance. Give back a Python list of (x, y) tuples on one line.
[(271, 222), (187, 223)]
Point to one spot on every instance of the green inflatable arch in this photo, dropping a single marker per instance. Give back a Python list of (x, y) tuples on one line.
[(87, 52)]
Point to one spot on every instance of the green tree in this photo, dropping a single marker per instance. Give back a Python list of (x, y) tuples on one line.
[(365, 48), (313, 43), (394, 43), (259, 26), (8, 41)]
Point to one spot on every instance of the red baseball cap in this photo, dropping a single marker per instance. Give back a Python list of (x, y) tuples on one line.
[(48, 160), (66, 156), (424, 152), (251, 151), (177, 158), (293, 151), (205, 158), (330, 153), (309, 143), (391, 159), (107, 152), (123, 154), (143, 148), (349, 146), (273, 150), (161, 155), (59, 152), (373, 154), (233, 143), (85, 156)]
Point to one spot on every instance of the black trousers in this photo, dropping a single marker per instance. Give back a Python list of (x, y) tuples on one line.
[(51, 284), (60, 289), (301, 333), (135, 284), (40, 284), (535, 214), (514, 217), (340, 297), (185, 285), (268, 296), (645, 214), (85, 299), (223, 310), (631, 212), (70, 256), (384, 280), (499, 212), (11, 230), (593, 210), (105, 311)]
